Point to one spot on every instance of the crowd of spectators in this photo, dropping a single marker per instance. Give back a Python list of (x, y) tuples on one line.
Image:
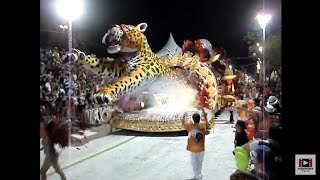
[(66, 88), (259, 155)]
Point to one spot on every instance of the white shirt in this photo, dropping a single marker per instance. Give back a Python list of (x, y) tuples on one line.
[(48, 86), (75, 77), (61, 90)]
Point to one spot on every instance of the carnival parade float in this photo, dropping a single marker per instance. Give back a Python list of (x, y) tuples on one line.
[(229, 90), (150, 92)]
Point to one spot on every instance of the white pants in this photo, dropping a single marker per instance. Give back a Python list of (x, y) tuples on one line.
[(196, 161)]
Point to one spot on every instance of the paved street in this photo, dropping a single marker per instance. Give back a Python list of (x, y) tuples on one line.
[(141, 156)]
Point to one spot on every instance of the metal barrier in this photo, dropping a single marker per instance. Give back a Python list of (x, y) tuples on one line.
[(90, 116), (94, 116)]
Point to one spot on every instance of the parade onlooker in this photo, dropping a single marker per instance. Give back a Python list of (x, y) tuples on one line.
[(241, 137), (263, 160), (241, 175), (277, 109), (59, 79)]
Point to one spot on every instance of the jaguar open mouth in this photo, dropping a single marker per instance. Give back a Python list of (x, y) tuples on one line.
[(112, 39)]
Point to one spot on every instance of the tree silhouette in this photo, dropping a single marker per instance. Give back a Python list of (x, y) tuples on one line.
[(272, 51)]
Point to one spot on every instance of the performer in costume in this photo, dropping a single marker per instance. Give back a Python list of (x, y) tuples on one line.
[(51, 154), (202, 95)]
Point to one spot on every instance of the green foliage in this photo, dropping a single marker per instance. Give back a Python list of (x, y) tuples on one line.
[(273, 51), (273, 47)]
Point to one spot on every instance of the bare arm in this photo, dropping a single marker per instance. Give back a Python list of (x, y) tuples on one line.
[(206, 120), (184, 119), (50, 144)]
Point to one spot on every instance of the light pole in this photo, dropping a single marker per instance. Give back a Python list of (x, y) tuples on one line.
[(69, 10), (263, 20), (63, 27), (62, 35)]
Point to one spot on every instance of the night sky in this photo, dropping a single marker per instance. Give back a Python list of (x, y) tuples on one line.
[(223, 22)]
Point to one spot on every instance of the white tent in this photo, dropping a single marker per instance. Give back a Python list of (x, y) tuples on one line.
[(170, 48)]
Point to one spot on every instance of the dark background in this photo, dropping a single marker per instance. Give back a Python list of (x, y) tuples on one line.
[(223, 22), (20, 129)]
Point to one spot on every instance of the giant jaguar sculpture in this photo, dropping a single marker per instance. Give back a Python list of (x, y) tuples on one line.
[(139, 66)]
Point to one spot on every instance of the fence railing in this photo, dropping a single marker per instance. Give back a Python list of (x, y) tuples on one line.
[(87, 116)]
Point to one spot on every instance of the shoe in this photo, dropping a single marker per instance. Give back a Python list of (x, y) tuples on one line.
[(63, 178), (198, 177)]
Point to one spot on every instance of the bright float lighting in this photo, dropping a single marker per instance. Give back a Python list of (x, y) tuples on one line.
[(142, 104), (173, 99), (263, 20), (70, 9), (258, 44), (230, 66), (260, 49)]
